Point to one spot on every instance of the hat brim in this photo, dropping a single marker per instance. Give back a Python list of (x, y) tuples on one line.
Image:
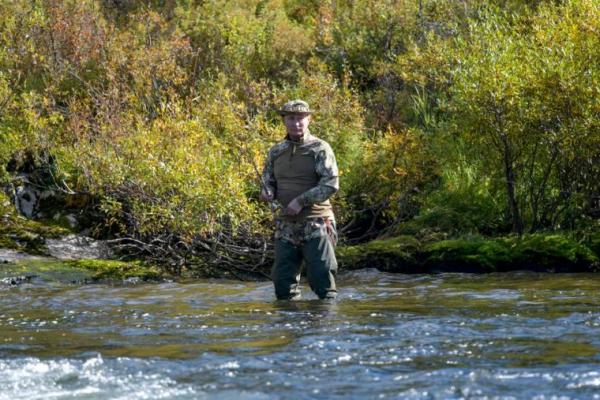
[(284, 113)]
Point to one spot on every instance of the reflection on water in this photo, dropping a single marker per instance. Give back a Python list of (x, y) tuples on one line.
[(523, 335)]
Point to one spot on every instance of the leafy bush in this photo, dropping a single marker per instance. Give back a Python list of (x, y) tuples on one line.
[(526, 110), (446, 117)]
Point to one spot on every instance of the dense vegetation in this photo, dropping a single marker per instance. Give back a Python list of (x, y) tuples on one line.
[(448, 117)]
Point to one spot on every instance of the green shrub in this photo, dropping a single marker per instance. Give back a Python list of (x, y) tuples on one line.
[(447, 118)]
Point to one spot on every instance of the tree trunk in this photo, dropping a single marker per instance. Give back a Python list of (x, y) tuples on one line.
[(509, 171)]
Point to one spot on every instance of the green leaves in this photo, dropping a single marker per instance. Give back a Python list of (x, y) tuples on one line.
[(520, 91), (460, 116)]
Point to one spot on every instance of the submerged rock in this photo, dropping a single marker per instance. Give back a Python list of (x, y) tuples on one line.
[(17, 280)]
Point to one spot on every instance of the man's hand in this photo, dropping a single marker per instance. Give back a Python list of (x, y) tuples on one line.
[(293, 208), (266, 195)]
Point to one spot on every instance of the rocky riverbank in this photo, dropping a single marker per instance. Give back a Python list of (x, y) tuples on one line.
[(28, 248)]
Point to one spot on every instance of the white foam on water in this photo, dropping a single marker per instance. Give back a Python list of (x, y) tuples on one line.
[(590, 379), (230, 365), (33, 378)]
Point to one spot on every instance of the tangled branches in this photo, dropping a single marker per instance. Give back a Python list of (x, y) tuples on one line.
[(241, 255)]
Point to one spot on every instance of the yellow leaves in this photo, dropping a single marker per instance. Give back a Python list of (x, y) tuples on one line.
[(400, 171), (183, 169)]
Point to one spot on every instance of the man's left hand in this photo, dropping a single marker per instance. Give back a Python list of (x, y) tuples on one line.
[(293, 208)]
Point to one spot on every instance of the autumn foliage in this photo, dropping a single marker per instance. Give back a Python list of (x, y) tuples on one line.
[(446, 116)]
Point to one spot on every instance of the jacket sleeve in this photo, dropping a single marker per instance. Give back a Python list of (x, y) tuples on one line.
[(327, 170), (268, 181)]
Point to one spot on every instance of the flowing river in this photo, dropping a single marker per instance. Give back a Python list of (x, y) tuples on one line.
[(446, 336)]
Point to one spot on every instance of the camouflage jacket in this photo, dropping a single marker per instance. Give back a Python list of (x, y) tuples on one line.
[(328, 184), (325, 165)]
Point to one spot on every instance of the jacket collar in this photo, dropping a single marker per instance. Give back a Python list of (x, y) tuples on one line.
[(307, 137)]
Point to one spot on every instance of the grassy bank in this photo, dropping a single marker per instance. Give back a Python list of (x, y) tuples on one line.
[(552, 252)]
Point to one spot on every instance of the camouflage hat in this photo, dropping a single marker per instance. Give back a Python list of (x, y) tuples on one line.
[(295, 107)]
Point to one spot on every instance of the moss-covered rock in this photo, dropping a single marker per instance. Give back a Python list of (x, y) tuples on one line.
[(396, 254), (81, 271), (551, 252), (468, 255), (539, 252)]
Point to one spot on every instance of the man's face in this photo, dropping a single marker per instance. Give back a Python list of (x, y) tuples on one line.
[(296, 125)]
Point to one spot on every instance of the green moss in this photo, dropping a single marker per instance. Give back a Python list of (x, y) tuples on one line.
[(28, 236), (551, 251), (540, 252), (19, 233), (397, 253), (113, 269), (7, 243), (476, 254), (592, 242), (47, 269), (85, 270)]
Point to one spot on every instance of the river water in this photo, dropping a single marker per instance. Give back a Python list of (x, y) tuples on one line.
[(447, 336)]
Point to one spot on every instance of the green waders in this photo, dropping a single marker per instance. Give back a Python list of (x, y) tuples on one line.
[(320, 263)]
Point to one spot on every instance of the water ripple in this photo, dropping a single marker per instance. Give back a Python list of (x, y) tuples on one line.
[(389, 336)]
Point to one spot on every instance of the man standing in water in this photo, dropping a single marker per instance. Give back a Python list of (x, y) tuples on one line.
[(301, 174)]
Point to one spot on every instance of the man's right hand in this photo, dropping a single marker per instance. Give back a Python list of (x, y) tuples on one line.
[(266, 195)]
